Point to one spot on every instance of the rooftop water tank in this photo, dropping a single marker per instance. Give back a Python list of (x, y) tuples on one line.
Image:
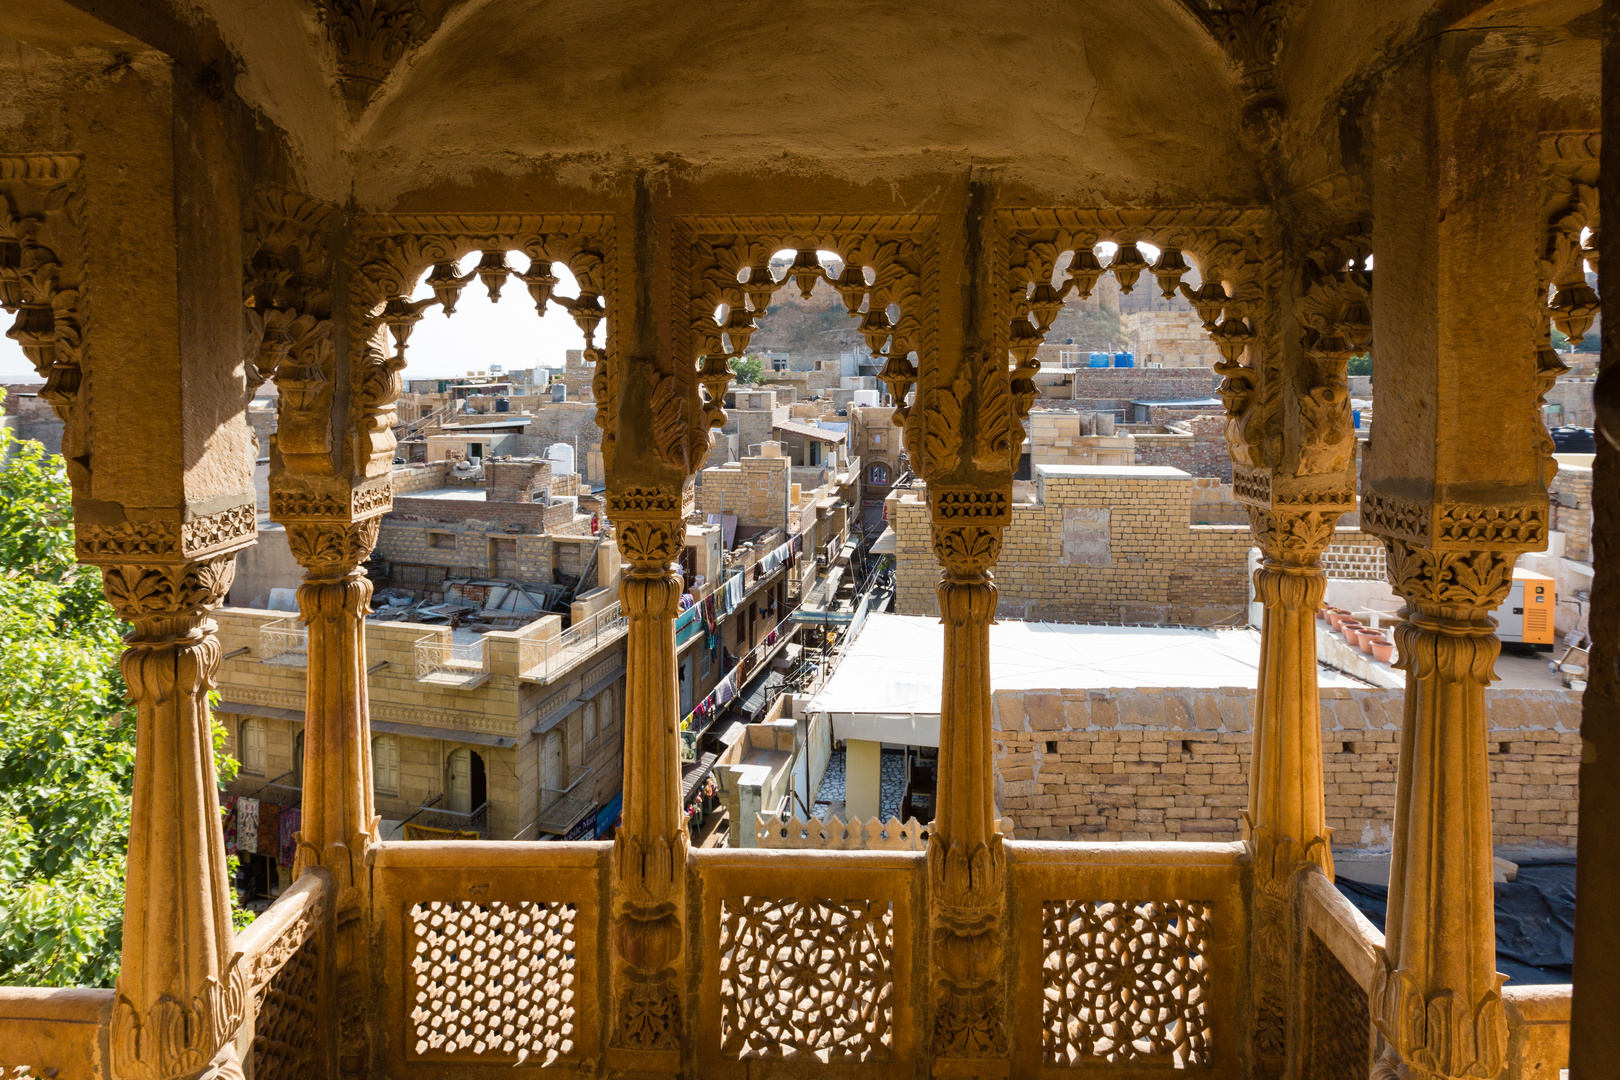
[(1124, 359), (1098, 359), (561, 456)]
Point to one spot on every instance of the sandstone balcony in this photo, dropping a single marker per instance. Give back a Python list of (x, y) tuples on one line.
[(543, 656), (1127, 959)]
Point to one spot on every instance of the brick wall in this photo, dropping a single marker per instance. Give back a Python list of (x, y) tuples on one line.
[(1115, 388), (1106, 548), (1354, 556), (1173, 764), (1573, 485), (1195, 445), (754, 489)]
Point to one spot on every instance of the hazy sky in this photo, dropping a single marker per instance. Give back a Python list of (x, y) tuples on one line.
[(478, 335)]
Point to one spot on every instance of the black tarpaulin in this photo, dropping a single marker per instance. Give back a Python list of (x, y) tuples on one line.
[(1535, 919)]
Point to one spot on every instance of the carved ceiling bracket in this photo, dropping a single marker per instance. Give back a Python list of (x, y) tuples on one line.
[(43, 283), (370, 38), (1570, 208), (287, 321), (1334, 316)]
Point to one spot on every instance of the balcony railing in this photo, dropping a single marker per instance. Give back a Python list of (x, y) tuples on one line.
[(440, 660), (284, 641), (546, 658), (1127, 959), (435, 815), (562, 808)]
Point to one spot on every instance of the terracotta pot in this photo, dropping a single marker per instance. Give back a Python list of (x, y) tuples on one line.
[(1383, 651), (1348, 628), (1370, 639), (1334, 617)]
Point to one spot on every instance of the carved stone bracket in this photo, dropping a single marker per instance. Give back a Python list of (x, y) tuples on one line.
[(370, 38), (43, 283), (287, 328)]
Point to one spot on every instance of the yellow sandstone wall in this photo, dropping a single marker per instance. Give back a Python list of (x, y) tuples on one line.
[(1174, 764)]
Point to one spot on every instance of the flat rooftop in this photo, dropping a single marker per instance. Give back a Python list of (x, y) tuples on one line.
[(1111, 472), (455, 494), (896, 664)]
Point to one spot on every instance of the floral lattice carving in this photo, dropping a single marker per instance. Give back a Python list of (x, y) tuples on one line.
[(1126, 981), (802, 976), (493, 980)]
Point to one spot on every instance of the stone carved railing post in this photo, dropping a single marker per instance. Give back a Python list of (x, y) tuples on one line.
[(1437, 999), (649, 852), (966, 862), (181, 987), (1286, 823)]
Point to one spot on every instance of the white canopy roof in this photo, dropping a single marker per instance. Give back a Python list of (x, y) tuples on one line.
[(887, 686)]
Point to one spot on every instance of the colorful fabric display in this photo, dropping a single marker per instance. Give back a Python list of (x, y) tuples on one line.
[(247, 826), (287, 848), (269, 829)]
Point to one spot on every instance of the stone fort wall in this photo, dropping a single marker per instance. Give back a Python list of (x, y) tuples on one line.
[(1173, 764)]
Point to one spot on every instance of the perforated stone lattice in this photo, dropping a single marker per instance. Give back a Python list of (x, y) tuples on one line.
[(286, 1030), (807, 977), (493, 980), (1125, 982)]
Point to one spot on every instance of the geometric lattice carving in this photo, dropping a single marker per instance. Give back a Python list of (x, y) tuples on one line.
[(1125, 982), (493, 980), (287, 1025), (1340, 1041), (807, 978)]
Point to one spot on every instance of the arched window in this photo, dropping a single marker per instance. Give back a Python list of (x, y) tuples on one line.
[(385, 764), (250, 744), (879, 474), (590, 722)]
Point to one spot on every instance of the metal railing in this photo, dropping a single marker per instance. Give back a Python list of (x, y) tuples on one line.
[(435, 814), (284, 641), (437, 656), (545, 658), (562, 808)]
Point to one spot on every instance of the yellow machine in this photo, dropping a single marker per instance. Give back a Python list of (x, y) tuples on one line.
[(1527, 614)]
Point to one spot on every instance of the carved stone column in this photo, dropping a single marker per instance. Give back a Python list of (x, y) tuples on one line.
[(649, 852), (180, 987), (1286, 820), (339, 824), (966, 863), (1437, 999)]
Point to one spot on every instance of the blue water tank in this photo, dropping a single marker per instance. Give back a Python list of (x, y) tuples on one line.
[(1098, 359), (1124, 359), (1355, 419)]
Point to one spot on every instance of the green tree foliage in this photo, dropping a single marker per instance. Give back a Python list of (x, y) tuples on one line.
[(1360, 364), (749, 370), (67, 740)]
